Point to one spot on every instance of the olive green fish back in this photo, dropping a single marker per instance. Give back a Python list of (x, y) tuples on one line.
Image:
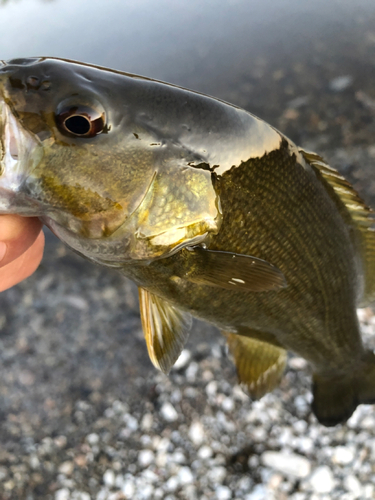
[(356, 212)]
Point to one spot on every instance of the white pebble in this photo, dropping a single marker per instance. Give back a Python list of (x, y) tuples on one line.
[(34, 462), (168, 413), (62, 494), (66, 468), (340, 83), (131, 422), (145, 458), (228, 405), (185, 475), (288, 464), (259, 492), (322, 480), (205, 452), (211, 388), (368, 491), (217, 474), (147, 422), (192, 371), (93, 438), (183, 360), (352, 484), (196, 433), (109, 478), (172, 484), (145, 492), (80, 495), (223, 493), (342, 455), (128, 488)]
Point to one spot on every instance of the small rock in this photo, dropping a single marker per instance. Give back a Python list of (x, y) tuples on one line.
[(172, 484), (185, 475), (192, 371), (145, 458), (34, 462), (196, 433), (3, 473), (297, 363), (109, 478), (322, 480), (168, 413), (223, 493), (340, 83), (228, 405), (128, 488), (288, 464), (131, 422), (217, 474), (93, 439), (352, 484), (260, 492), (183, 360), (147, 422), (80, 495), (343, 455), (205, 452), (62, 494), (66, 468)]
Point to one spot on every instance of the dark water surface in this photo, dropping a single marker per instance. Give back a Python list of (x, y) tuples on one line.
[(191, 43)]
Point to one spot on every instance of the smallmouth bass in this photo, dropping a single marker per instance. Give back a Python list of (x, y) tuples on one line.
[(208, 209)]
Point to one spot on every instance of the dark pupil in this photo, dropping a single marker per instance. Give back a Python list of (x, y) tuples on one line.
[(78, 125)]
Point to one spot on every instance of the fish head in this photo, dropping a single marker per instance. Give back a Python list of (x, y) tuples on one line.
[(71, 154)]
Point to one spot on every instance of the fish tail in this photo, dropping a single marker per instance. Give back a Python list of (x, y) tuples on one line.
[(336, 397)]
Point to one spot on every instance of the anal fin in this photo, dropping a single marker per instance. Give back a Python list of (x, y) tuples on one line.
[(165, 327), (260, 365)]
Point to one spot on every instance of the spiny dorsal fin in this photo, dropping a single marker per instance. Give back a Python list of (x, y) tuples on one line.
[(360, 214), (165, 327), (260, 365), (234, 271)]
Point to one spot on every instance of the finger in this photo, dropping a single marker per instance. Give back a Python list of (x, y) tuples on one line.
[(22, 267), (17, 234)]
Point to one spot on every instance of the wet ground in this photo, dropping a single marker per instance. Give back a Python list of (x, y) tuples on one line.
[(82, 410)]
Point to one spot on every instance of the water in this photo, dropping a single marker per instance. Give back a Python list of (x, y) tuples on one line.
[(205, 45)]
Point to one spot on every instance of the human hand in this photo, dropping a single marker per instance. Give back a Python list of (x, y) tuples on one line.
[(21, 248)]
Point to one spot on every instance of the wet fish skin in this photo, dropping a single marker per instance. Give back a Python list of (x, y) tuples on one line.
[(211, 212)]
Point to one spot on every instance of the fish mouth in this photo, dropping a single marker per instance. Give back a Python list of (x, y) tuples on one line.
[(19, 152)]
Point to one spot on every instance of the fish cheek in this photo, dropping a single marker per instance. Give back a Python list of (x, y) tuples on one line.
[(179, 209)]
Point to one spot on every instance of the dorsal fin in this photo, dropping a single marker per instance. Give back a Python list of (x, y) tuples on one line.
[(361, 216)]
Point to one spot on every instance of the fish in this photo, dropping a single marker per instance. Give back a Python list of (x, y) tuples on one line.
[(211, 211)]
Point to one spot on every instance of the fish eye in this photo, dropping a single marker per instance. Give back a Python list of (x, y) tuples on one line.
[(80, 121)]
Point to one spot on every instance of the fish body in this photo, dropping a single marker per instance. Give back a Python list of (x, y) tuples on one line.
[(211, 211)]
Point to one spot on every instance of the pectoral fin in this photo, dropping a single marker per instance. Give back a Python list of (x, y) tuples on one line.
[(234, 271), (165, 328), (260, 365)]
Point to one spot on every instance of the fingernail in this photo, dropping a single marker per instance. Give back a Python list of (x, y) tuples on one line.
[(3, 250)]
